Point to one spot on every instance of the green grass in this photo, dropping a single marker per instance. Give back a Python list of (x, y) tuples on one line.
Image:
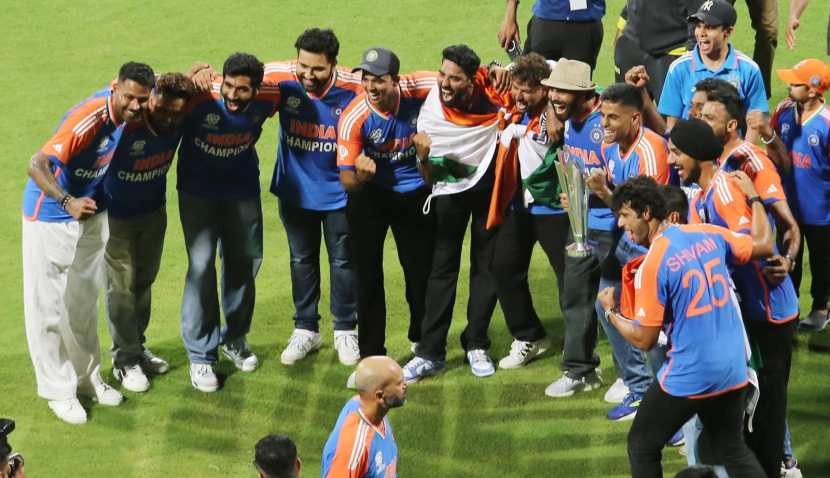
[(55, 53)]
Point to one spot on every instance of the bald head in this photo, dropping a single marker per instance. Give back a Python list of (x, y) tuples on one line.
[(381, 378)]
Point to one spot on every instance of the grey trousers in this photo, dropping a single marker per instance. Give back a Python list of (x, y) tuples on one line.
[(132, 257)]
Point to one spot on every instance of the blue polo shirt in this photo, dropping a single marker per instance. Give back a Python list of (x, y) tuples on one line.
[(563, 10), (684, 73)]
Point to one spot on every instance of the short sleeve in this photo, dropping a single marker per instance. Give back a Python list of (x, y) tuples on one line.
[(738, 246), (671, 99), (418, 84), (649, 296), (349, 136), (756, 94), (77, 130)]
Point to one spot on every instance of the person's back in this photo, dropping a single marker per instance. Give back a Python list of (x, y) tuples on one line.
[(357, 446)]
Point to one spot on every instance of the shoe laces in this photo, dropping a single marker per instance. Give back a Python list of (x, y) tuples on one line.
[(416, 363), (346, 340), (520, 348), (630, 399), (300, 341), (203, 369), (478, 356), (132, 369)]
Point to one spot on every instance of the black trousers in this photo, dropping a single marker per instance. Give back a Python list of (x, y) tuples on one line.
[(371, 212), (819, 246), (452, 213), (660, 415), (627, 54), (775, 343), (555, 39), (511, 260), (578, 299)]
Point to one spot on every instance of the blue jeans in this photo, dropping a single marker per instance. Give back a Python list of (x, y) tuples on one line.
[(234, 227), (302, 227), (630, 361)]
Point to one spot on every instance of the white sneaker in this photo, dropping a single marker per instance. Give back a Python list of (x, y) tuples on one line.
[(241, 355), (351, 382), (816, 321), (301, 343), (348, 349), (132, 378), (522, 352), (152, 364), (566, 386), (69, 411), (480, 363), (617, 392), (202, 377), (101, 392)]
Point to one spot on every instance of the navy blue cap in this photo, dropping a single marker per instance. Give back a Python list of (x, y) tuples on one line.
[(380, 61)]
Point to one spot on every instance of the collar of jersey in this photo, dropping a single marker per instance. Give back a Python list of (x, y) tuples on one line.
[(382, 433), (382, 114), (729, 63)]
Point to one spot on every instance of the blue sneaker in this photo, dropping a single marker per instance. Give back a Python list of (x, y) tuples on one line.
[(627, 409), (419, 367), (677, 439), (480, 363)]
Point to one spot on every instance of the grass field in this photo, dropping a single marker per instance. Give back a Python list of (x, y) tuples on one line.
[(55, 53)]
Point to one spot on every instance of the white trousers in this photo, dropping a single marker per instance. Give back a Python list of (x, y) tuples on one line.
[(63, 272)]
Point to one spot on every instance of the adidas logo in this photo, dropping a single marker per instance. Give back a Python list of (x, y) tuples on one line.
[(743, 221), (641, 312), (772, 189), (58, 147)]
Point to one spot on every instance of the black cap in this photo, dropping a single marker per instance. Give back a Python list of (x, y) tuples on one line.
[(696, 138), (379, 61), (715, 13)]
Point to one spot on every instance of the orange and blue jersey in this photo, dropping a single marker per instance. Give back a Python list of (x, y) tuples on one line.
[(357, 448), (217, 156), (647, 156), (683, 287), (306, 173), (79, 152), (724, 204), (583, 142), (136, 183), (753, 160), (686, 71), (808, 144), (386, 137)]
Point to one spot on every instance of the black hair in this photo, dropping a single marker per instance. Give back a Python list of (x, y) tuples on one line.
[(141, 73), (675, 201), (625, 94), (244, 64), (711, 84), (727, 95), (641, 194), (464, 57), (696, 471), (276, 455), (530, 68), (175, 85), (316, 40)]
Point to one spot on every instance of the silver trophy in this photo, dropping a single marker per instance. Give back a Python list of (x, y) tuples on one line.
[(572, 181)]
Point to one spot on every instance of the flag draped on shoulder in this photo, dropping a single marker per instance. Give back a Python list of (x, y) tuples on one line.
[(463, 145), (524, 157)]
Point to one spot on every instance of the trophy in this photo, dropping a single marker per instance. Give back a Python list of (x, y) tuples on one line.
[(572, 181)]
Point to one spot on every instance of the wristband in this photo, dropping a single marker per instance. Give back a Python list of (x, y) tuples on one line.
[(792, 261), (608, 313), (771, 138), (754, 199), (65, 201)]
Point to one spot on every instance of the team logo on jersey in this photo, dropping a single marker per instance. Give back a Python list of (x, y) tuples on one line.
[(597, 134), (371, 55), (343, 151), (138, 147), (413, 122), (211, 121), (293, 102), (813, 139), (785, 127), (379, 466), (375, 135), (336, 111), (102, 147)]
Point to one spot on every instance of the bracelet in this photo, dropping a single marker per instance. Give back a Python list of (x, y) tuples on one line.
[(771, 138), (754, 199), (608, 313), (792, 261), (65, 201)]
